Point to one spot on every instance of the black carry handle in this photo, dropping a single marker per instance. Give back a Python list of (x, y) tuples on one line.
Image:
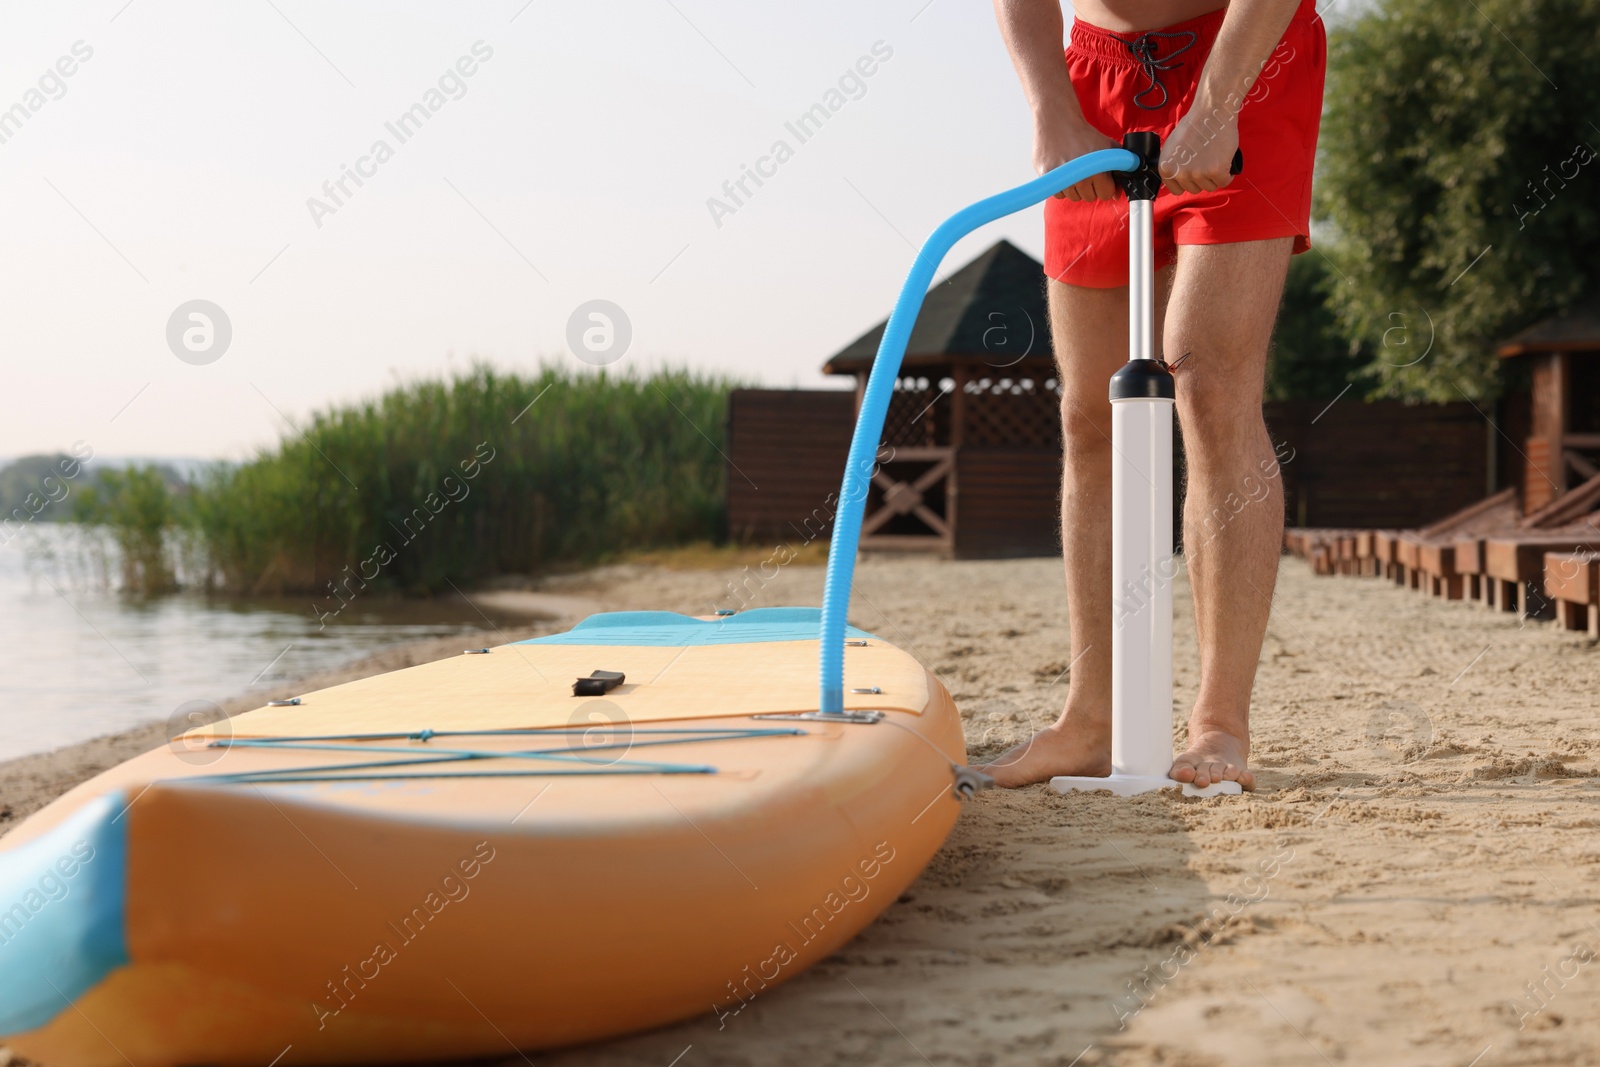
[(599, 683), (1238, 161)]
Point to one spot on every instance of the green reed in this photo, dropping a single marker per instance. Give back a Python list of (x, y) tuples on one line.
[(455, 481), (140, 510)]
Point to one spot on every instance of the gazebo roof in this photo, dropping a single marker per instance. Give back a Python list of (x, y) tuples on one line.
[(993, 309), (1576, 329)]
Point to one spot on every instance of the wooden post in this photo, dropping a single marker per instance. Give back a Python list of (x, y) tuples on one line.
[(958, 406), (1545, 474)]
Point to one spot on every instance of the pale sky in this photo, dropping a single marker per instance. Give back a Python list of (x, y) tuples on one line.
[(574, 163)]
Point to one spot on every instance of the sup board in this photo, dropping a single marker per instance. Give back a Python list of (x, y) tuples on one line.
[(464, 858)]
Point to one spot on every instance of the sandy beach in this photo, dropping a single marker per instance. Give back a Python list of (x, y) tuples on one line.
[(1414, 882)]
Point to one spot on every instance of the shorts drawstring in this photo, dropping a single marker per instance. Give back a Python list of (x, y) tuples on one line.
[(1143, 48)]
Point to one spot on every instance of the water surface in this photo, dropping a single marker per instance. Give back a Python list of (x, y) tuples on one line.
[(79, 661)]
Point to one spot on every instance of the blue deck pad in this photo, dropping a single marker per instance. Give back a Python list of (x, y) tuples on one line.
[(667, 629), (61, 914)]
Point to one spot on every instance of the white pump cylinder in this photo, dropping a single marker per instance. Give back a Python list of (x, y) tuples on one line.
[(1142, 570)]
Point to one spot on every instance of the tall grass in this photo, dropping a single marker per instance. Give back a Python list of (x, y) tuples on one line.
[(454, 481), (140, 510)]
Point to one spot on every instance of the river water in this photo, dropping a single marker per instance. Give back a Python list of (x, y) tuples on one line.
[(79, 661)]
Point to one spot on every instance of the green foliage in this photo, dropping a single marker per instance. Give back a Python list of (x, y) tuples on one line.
[(138, 507), (35, 488), (1451, 129), (454, 481), (1311, 357)]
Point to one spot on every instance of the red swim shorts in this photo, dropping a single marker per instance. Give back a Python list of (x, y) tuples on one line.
[(1146, 81)]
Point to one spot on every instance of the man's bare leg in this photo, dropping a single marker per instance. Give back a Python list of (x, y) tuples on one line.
[(1221, 312), (1090, 330)]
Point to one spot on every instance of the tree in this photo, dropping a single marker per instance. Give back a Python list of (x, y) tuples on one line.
[(1311, 357), (1458, 178)]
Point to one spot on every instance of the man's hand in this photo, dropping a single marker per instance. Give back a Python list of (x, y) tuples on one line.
[(1196, 159), (1032, 30), (1059, 139)]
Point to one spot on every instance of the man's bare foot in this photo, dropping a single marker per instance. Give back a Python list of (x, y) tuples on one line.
[(1214, 756), (1070, 745)]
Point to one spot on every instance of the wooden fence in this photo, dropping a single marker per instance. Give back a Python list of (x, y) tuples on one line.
[(1351, 464), (786, 453), (1382, 464)]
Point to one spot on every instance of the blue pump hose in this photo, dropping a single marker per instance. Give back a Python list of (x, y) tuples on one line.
[(880, 386)]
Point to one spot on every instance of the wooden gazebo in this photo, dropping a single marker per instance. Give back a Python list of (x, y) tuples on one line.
[(971, 456), (1563, 446)]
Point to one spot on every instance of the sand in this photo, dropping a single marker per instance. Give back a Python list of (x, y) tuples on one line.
[(1419, 856)]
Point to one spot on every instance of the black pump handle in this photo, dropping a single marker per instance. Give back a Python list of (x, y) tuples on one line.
[(1144, 183)]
